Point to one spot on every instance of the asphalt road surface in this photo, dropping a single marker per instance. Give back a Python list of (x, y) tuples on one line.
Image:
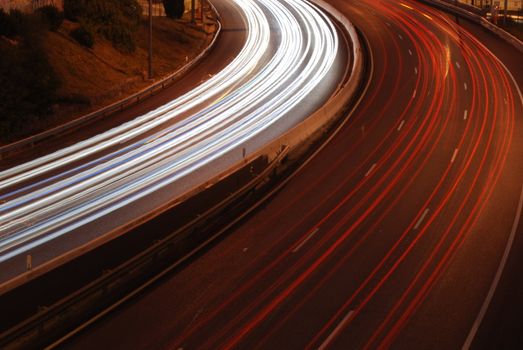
[(390, 237), (291, 61), (227, 47)]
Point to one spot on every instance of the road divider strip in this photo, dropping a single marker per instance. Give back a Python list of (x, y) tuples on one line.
[(292, 144)]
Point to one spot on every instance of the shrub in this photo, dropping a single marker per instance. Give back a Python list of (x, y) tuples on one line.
[(73, 9), (53, 17), (5, 24), (19, 21), (132, 10), (174, 8), (12, 24), (116, 20), (41, 77), (83, 35), (122, 37), (28, 86), (16, 24)]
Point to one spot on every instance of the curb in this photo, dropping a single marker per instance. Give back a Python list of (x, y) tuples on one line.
[(301, 137), (502, 34), (296, 140), (312, 127)]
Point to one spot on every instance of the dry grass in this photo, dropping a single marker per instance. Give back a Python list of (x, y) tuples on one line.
[(104, 74)]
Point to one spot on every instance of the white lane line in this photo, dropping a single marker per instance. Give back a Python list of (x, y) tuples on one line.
[(401, 125), (410, 52), (454, 155), (370, 170), (416, 70), (465, 114), (414, 94), (335, 332), (305, 240), (510, 241), (497, 277), (399, 36), (421, 219), (458, 65), (465, 86)]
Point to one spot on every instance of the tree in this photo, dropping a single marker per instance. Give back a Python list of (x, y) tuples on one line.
[(174, 8), (116, 20), (28, 83), (52, 16)]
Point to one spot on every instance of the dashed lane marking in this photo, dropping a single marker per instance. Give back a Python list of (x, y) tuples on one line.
[(370, 170), (302, 243), (454, 155), (418, 224), (336, 330)]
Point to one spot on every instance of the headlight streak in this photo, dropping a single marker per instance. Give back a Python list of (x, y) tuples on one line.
[(307, 48), (256, 44)]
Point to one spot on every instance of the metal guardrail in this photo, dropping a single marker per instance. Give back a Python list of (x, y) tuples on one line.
[(53, 317), (320, 120), (467, 13), (296, 137), (471, 8), (114, 107)]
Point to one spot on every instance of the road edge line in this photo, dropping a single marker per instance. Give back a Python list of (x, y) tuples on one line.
[(481, 315)]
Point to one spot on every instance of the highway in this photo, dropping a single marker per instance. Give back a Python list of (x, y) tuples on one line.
[(60, 201), (391, 236)]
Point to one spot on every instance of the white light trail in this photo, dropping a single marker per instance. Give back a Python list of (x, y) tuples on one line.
[(53, 195)]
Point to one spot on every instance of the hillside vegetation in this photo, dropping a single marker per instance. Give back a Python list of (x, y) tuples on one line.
[(48, 75)]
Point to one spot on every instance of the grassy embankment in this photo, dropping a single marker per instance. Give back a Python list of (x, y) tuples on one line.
[(104, 74), (49, 78)]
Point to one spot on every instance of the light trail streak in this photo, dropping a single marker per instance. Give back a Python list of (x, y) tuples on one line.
[(251, 314), (52, 196)]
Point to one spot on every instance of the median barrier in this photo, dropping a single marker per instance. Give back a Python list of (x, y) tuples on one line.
[(49, 322), (118, 106), (296, 139), (306, 132), (457, 10), (291, 144)]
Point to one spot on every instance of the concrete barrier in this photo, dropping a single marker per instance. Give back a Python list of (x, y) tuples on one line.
[(312, 127), (296, 140), (458, 10)]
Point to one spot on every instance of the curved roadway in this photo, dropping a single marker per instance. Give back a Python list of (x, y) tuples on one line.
[(389, 237), (61, 201)]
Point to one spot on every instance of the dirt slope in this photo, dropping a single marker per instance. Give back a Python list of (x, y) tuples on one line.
[(103, 74)]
